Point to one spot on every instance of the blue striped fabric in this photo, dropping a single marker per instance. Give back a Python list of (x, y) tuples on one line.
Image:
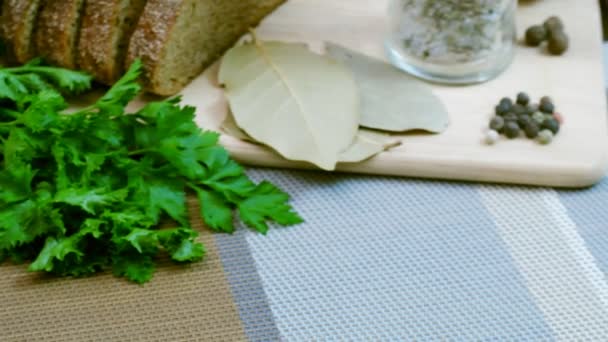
[(392, 259)]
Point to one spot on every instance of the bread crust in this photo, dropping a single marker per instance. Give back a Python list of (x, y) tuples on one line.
[(17, 25), (149, 39), (103, 41), (154, 31), (58, 31)]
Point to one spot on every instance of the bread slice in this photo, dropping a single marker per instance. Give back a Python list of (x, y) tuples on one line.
[(58, 30), (18, 23), (106, 28), (178, 39)]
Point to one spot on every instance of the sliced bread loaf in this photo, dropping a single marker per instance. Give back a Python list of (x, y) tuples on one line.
[(178, 39), (106, 28), (19, 19), (58, 30)]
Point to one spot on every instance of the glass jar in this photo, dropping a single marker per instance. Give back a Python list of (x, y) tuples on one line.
[(452, 41)]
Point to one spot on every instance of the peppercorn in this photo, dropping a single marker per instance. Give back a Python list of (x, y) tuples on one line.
[(497, 123), (549, 117), (535, 35), (523, 120), (519, 109), (512, 129), (502, 109), (545, 137), (507, 101), (551, 125), (546, 99), (510, 117), (523, 99), (558, 43), (547, 107), (531, 109), (531, 130), (538, 118), (492, 137), (553, 24), (559, 118)]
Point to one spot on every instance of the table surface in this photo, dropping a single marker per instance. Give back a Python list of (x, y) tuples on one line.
[(459, 153), (378, 259)]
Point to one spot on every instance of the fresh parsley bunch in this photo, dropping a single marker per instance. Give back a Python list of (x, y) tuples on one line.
[(86, 192)]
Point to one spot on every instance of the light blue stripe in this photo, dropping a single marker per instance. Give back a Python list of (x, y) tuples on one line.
[(391, 259), (589, 210)]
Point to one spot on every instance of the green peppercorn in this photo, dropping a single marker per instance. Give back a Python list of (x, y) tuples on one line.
[(523, 120), (531, 130), (545, 137), (538, 118), (547, 107), (531, 109), (551, 125), (558, 44), (523, 99), (512, 129), (549, 117), (535, 35), (510, 117), (497, 123), (519, 109), (553, 24)]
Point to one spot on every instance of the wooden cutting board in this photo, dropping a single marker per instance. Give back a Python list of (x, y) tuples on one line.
[(577, 158)]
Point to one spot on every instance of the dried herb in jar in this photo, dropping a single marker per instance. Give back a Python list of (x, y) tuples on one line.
[(451, 30)]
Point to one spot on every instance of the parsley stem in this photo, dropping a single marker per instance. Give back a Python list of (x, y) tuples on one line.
[(193, 186), (11, 123), (142, 151), (84, 110), (9, 112)]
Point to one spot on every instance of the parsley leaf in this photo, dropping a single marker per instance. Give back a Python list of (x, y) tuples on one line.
[(18, 82), (267, 203), (92, 190)]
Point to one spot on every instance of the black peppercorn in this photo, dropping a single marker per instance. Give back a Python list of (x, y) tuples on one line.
[(551, 124), (531, 130), (523, 99), (558, 44), (547, 107), (512, 129), (507, 101), (535, 35), (502, 109)]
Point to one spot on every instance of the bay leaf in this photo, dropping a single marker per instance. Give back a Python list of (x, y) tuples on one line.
[(303, 105), (367, 143), (392, 100), (230, 128)]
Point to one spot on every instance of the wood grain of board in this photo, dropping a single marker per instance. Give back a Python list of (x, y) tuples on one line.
[(577, 158)]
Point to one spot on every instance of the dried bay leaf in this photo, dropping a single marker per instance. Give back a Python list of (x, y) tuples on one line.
[(392, 100), (230, 128), (303, 105), (367, 143)]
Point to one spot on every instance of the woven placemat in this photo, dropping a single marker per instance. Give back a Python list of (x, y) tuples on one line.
[(192, 302)]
